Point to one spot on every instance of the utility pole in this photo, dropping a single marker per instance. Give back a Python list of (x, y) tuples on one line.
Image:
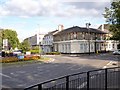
[(38, 39), (87, 26)]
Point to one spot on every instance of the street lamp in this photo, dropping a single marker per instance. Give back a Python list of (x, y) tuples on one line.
[(87, 26)]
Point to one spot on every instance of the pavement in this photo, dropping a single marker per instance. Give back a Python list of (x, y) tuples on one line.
[(24, 76)]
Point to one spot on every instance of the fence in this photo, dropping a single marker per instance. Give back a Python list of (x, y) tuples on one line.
[(102, 79)]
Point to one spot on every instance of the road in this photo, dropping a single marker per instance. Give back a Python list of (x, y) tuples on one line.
[(22, 76)]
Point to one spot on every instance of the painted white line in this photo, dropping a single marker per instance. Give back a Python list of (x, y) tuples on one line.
[(82, 85), (104, 67), (76, 68), (109, 63), (5, 75)]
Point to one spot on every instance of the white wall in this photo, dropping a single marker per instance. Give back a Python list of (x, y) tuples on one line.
[(111, 45), (75, 46)]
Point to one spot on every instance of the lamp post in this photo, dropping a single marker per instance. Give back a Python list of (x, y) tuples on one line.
[(87, 26), (38, 39)]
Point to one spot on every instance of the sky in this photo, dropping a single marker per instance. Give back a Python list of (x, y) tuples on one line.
[(27, 17)]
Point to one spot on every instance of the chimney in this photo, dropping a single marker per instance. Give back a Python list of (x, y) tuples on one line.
[(103, 27), (60, 27)]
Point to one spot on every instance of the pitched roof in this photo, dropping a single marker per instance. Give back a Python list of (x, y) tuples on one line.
[(52, 32), (80, 29)]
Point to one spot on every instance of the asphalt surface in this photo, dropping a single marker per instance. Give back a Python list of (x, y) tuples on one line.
[(21, 76)]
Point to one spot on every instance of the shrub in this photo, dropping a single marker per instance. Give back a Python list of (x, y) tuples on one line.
[(35, 57), (27, 57), (9, 59), (34, 51), (31, 57)]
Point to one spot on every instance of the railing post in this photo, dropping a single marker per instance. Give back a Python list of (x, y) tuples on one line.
[(88, 74), (40, 87), (106, 79), (67, 82)]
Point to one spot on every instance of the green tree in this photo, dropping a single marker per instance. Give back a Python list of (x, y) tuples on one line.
[(0, 39), (112, 16), (25, 46), (11, 35)]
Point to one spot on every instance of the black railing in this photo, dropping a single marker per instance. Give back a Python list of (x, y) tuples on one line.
[(101, 79)]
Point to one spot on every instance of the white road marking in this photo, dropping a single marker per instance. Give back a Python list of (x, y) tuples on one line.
[(76, 68), (104, 67), (109, 63), (5, 75)]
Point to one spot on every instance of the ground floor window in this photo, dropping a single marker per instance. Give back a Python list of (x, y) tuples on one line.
[(81, 46)]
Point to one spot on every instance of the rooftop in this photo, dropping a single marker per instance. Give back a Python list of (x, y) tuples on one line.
[(81, 29)]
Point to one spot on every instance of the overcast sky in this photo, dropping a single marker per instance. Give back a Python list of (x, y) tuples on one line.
[(29, 16)]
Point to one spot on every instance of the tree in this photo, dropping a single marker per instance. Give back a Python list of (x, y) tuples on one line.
[(0, 39), (11, 35), (112, 16), (25, 46)]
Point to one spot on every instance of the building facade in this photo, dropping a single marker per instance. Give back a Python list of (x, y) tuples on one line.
[(111, 45), (79, 40), (36, 40), (48, 42)]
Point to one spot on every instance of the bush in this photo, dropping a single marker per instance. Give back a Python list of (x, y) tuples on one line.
[(27, 57), (34, 51), (53, 53), (35, 57), (31, 57)]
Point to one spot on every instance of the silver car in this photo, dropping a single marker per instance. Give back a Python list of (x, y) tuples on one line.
[(116, 52)]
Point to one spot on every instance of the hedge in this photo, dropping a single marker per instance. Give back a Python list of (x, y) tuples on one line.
[(9, 59), (15, 59), (53, 53)]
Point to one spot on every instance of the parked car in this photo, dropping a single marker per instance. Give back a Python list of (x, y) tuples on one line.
[(17, 52), (116, 52)]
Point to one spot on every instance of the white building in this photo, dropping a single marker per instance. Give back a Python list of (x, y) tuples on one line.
[(111, 45), (79, 40), (48, 42)]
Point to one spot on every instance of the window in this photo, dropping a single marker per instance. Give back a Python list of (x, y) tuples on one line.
[(92, 46), (113, 45), (81, 46), (109, 45)]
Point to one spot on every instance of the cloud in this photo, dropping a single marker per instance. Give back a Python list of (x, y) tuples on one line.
[(89, 8), (25, 8)]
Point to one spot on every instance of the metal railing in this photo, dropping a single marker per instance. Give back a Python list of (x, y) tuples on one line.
[(101, 79)]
